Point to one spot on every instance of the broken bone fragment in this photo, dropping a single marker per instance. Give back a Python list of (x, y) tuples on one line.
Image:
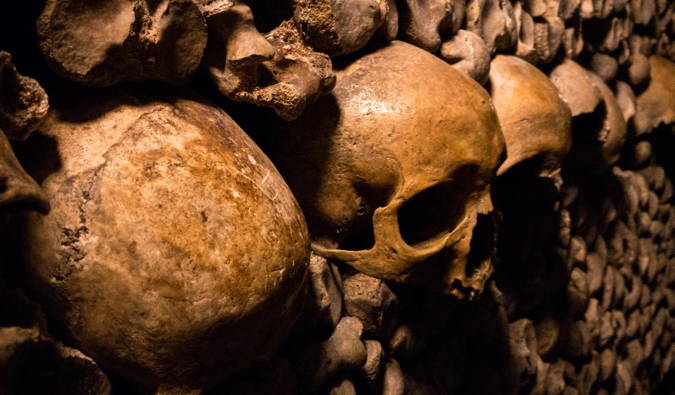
[(339, 27), (102, 43), (143, 274), (278, 70), (24, 103)]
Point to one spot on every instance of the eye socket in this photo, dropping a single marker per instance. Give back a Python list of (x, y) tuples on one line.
[(433, 212), (372, 197)]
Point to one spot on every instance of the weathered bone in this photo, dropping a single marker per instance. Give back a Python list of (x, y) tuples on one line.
[(373, 368), (605, 66), (394, 379), (341, 384), (494, 21), (523, 360), (607, 363), (598, 142), (576, 87), (628, 103), (323, 307), (264, 70), (425, 23), (555, 380), (525, 31), (572, 39), (371, 301), (547, 331), (315, 362), (467, 52), (181, 285), (359, 185), (102, 44), (534, 118), (339, 27), (575, 340), (31, 362)]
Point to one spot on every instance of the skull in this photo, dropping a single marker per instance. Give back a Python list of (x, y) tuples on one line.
[(534, 118), (536, 124), (393, 170), (174, 253), (598, 122)]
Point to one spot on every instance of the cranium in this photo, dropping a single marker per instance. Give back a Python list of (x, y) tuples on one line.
[(598, 122), (534, 118), (404, 151), (174, 253), (245, 66)]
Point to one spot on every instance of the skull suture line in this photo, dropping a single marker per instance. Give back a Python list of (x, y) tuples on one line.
[(393, 170)]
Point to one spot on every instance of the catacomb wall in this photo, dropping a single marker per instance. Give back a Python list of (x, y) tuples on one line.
[(337, 197)]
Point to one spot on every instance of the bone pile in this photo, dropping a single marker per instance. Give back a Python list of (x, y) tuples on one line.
[(277, 197)]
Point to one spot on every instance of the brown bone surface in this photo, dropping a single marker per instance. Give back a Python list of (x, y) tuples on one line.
[(102, 43), (24, 103), (656, 105), (403, 151), (174, 253), (534, 118)]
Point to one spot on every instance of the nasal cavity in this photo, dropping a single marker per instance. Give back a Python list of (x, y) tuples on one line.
[(482, 242), (432, 212)]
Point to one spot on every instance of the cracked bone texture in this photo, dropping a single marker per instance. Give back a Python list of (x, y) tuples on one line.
[(133, 162), (102, 43), (246, 66), (367, 184)]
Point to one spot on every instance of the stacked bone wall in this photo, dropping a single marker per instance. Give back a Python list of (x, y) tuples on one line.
[(588, 305)]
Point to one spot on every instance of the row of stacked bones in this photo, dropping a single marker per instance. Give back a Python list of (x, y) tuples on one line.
[(375, 171)]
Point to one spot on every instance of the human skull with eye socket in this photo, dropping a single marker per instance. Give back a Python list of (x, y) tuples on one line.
[(393, 170)]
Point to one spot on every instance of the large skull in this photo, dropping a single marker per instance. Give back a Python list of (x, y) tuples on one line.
[(174, 253), (393, 170)]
